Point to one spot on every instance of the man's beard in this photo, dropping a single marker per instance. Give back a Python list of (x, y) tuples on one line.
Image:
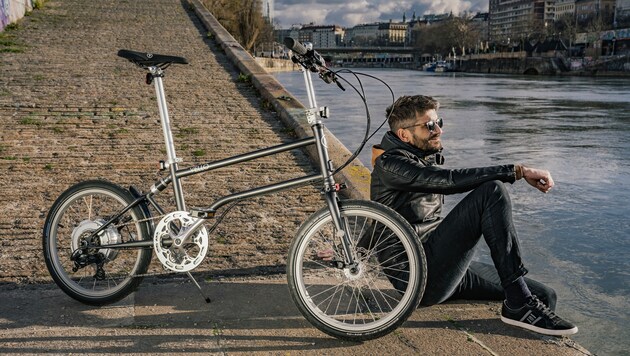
[(427, 147)]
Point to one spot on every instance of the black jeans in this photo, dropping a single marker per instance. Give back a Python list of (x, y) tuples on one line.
[(487, 212), (481, 282)]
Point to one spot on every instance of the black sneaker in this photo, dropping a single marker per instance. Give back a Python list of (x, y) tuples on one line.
[(536, 316)]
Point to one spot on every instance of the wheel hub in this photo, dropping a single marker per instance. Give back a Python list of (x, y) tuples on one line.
[(81, 237), (354, 272)]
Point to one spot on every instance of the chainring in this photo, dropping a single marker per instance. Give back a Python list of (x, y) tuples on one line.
[(190, 253)]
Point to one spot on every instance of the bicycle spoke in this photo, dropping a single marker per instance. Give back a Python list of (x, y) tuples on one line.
[(79, 212), (338, 289), (360, 300), (324, 291)]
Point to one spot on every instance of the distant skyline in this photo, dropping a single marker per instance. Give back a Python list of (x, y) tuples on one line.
[(353, 12)]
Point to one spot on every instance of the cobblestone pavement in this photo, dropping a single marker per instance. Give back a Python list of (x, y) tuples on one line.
[(71, 110)]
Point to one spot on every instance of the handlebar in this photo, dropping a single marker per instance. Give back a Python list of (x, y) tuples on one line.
[(295, 46), (308, 58)]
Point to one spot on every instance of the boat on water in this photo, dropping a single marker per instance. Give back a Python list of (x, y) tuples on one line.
[(437, 67)]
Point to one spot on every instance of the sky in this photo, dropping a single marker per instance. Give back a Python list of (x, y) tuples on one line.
[(348, 13)]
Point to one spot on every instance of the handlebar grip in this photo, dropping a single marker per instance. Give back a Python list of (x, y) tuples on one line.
[(295, 45)]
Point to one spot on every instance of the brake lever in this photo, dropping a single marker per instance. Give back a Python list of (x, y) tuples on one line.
[(329, 77), (339, 85)]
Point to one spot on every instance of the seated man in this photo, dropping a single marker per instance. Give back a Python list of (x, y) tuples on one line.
[(407, 178)]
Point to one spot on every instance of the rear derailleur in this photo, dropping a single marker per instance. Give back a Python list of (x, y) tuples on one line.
[(82, 258)]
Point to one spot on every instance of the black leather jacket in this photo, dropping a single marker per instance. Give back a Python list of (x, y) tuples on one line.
[(409, 181)]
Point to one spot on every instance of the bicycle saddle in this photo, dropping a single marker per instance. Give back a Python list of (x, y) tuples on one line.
[(149, 59)]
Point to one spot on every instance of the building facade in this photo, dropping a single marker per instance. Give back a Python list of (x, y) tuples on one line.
[(329, 36), (13, 10), (587, 11), (480, 23), (512, 19), (622, 13), (392, 34), (363, 35), (564, 8)]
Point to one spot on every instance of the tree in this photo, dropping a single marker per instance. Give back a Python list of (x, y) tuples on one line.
[(441, 37), (461, 33), (567, 26), (243, 19), (430, 39)]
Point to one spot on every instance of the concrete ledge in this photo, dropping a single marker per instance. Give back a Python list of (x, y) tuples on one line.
[(289, 109), (274, 65)]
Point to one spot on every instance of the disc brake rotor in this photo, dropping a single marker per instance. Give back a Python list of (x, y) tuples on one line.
[(187, 255)]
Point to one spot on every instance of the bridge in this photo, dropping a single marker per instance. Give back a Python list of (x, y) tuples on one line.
[(407, 57)]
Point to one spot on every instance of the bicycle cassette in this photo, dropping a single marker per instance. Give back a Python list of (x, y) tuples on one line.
[(175, 254)]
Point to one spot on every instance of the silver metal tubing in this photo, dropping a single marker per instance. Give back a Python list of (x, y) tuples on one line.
[(246, 157), (327, 170), (322, 152), (96, 232), (310, 91), (168, 136), (329, 184)]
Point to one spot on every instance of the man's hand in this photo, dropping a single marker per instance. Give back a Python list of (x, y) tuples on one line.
[(538, 178), (326, 255)]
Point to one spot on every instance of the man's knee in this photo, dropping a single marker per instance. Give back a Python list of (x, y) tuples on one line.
[(495, 189)]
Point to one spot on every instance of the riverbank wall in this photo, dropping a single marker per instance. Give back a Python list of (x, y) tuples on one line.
[(552, 64), (509, 63), (273, 65), (516, 63)]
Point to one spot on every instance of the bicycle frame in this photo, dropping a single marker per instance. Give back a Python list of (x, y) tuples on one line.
[(330, 188)]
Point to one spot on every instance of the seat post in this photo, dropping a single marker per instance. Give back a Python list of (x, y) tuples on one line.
[(157, 74)]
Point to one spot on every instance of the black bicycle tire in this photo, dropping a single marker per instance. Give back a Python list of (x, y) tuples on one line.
[(416, 292), (48, 241)]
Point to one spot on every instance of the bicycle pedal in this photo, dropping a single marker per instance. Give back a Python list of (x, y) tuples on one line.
[(202, 213)]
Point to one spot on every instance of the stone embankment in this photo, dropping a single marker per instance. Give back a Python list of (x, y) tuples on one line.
[(272, 65), (520, 63)]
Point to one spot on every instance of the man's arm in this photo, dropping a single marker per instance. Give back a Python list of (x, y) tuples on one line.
[(403, 173)]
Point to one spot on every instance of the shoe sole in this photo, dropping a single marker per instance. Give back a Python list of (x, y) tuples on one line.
[(539, 330)]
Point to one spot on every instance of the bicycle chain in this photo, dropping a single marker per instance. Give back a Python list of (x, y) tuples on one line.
[(142, 275), (166, 272), (218, 221)]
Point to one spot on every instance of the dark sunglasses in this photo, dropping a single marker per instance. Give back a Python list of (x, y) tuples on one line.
[(429, 124)]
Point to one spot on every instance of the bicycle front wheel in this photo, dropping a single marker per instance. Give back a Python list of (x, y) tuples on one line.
[(103, 275), (373, 296)]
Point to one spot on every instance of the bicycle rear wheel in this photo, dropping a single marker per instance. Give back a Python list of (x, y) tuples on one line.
[(371, 298), (78, 212)]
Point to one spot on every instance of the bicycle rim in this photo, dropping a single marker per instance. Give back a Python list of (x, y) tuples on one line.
[(75, 216), (366, 300)]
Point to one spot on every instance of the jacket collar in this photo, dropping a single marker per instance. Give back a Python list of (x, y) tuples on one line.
[(391, 141)]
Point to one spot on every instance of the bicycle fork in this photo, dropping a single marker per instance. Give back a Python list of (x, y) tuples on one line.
[(314, 116)]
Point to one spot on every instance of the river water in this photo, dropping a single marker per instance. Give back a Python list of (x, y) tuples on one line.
[(576, 238)]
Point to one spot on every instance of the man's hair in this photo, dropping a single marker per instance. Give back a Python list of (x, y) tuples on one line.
[(404, 111)]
